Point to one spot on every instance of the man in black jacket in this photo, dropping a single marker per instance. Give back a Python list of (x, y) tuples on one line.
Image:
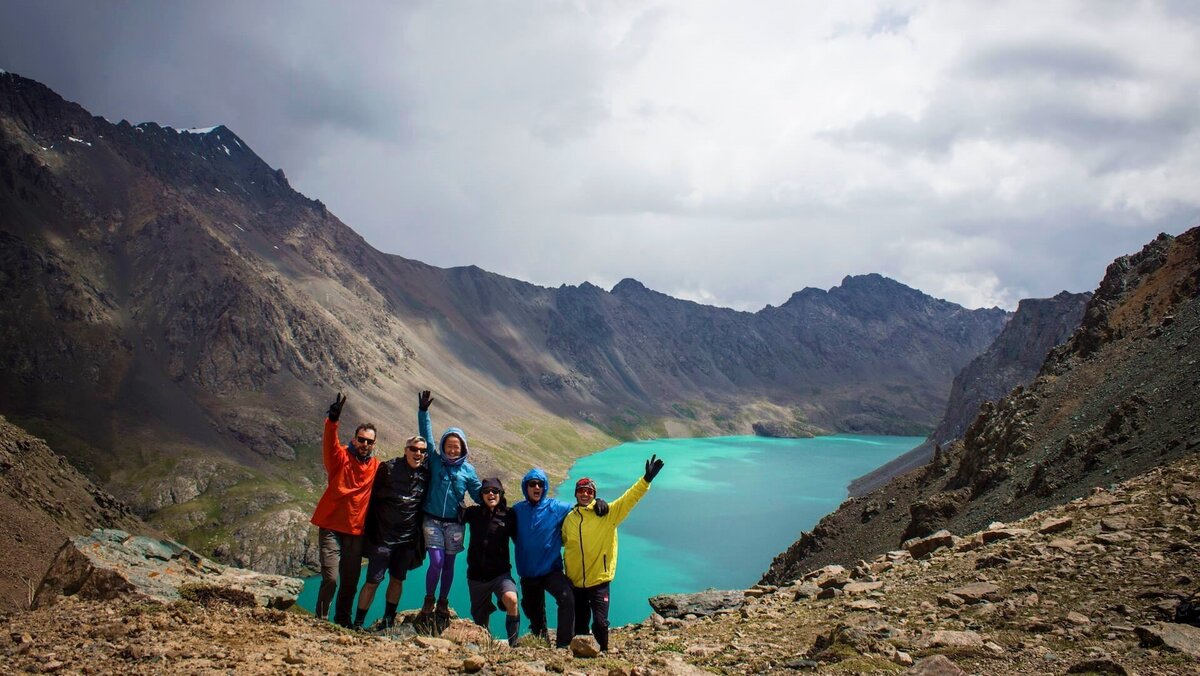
[(393, 529), (489, 571)]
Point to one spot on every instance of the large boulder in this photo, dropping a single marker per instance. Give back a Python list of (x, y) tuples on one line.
[(700, 604), (110, 563)]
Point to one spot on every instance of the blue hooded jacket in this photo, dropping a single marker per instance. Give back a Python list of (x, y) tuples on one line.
[(449, 480), (539, 529)]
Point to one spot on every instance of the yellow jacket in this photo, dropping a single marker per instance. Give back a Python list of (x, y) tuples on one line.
[(590, 541)]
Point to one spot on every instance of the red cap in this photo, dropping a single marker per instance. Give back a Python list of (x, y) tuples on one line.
[(585, 483)]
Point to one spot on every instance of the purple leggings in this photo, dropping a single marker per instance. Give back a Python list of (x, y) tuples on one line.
[(441, 565)]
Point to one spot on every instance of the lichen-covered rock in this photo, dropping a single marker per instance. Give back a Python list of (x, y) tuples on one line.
[(109, 563), (700, 604)]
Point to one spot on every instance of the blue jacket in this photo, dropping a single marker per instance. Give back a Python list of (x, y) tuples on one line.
[(449, 480), (539, 530)]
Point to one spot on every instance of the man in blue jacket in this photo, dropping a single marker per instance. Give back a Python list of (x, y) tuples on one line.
[(539, 556)]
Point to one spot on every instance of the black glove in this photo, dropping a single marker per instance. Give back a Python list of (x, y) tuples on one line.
[(335, 409), (653, 467), (424, 399), (600, 507)]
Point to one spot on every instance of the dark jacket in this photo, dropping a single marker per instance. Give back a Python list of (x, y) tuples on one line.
[(394, 516), (487, 550)]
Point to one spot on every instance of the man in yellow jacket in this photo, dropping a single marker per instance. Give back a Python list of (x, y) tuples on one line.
[(590, 549)]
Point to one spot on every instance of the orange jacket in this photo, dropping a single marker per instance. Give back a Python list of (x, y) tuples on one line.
[(343, 506)]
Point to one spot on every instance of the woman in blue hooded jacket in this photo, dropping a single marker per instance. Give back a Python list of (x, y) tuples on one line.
[(539, 556), (451, 477)]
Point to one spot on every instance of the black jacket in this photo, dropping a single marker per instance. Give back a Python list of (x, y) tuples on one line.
[(488, 548), (394, 515)]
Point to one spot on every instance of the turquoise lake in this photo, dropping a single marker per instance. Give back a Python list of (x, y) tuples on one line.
[(721, 509)]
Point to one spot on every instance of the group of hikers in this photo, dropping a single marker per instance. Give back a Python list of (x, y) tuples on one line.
[(397, 512)]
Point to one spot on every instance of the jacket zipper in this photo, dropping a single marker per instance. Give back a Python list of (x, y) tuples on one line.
[(606, 563), (582, 556)]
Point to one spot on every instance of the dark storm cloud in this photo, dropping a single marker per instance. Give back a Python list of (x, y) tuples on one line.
[(1047, 59), (192, 64)]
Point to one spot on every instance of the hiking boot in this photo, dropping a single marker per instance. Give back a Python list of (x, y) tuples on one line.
[(443, 608), (427, 606), (387, 622)]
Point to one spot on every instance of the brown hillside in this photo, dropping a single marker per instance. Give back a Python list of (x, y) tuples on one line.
[(43, 501), (1120, 397)]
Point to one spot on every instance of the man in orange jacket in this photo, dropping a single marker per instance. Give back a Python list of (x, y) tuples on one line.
[(341, 513)]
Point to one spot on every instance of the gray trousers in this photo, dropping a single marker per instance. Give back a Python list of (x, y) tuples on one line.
[(341, 566)]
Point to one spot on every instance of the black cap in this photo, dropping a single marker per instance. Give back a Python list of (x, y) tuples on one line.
[(492, 483)]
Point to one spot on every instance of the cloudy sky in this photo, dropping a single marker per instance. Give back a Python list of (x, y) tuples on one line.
[(726, 152)]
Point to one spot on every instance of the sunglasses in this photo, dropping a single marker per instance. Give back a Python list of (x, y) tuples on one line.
[(490, 491), (415, 449), (535, 483), (585, 489), (365, 441)]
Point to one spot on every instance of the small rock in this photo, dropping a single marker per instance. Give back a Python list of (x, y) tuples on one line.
[(1077, 619), (953, 639), (1113, 524), (1178, 637), (585, 647), (829, 592), (1056, 525), (919, 547), (977, 592), (902, 658), (805, 591), (1114, 538), (291, 658), (801, 663), (433, 642), (473, 664), (950, 601), (861, 587), (936, 665)]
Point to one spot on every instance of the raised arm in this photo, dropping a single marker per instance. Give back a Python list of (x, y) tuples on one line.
[(622, 506), (332, 452), (425, 429)]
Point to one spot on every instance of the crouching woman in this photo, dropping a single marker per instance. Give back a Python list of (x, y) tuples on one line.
[(490, 528)]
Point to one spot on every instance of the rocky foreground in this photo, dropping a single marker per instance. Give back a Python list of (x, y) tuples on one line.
[(1088, 587)]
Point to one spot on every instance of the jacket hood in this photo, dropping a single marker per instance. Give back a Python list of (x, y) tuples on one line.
[(536, 473), (456, 431)]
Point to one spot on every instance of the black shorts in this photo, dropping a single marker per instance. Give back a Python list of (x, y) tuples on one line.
[(392, 559)]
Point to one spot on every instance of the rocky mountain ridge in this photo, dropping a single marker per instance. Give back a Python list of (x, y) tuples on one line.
[(177, 318), (1117, 399), (1038, 325)]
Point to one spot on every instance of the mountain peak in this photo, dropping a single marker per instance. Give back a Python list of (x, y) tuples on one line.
[(628, 286)]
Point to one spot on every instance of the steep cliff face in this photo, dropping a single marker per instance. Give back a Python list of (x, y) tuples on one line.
[(1118, 398), (1039, 325), (177, 318), (44, 500)]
